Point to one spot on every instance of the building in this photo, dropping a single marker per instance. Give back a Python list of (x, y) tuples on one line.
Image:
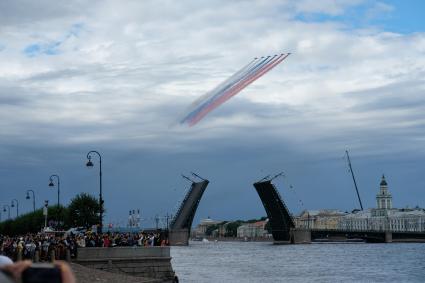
[(384, 200), (385, 217), (253, 230), (319, 219), (200, 230)]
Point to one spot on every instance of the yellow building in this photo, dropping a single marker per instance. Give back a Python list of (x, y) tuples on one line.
[(319, 219)]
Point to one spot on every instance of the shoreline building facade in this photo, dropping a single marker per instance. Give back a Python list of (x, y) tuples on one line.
[(319, 219), (385, 217), (254, 230), (201, 229)]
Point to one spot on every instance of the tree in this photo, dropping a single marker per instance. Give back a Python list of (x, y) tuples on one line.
[(31, 222), (83, 211), (210, 229), (232, 228)]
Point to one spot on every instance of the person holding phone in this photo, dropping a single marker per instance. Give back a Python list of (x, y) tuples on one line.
[(29, 272)]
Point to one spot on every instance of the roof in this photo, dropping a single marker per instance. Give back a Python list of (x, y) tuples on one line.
[(391, 213), (383, 182), (406, 212), (360, 214), (209, 221), (322, 212)]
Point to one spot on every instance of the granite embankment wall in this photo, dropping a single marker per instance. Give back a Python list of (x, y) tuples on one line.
[(178, 237), (151, 262)]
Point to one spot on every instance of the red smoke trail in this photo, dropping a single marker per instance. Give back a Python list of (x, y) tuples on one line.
[(237, 88)]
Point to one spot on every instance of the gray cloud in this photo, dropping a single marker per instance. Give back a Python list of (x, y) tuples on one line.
[(26, 12)]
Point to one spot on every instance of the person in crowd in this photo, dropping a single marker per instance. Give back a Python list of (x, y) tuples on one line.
[(47, 245)]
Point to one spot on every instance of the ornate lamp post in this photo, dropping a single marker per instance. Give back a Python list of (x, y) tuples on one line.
[(8, 209), (33, 198), (90, 164), (17, 206)]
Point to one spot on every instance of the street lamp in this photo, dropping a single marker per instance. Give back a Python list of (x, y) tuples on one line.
[(33, 198), (17, 206), (51, 184), (90, 164), (8, 209)]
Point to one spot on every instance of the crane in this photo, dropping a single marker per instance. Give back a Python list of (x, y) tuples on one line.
[(354, 179)]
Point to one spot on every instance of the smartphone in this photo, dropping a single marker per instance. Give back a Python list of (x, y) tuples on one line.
[(42, 273)]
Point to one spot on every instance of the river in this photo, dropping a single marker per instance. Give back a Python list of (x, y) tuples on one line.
[(264, 262)]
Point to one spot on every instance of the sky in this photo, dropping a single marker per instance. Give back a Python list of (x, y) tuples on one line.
[(116, 77)]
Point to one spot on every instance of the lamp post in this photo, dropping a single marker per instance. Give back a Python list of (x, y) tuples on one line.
[(8, 210), (51, 184), (45, 212), (17, 206), (33, 198), (90, 164)]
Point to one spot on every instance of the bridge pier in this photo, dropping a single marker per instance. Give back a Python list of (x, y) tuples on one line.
[(388, 237), (300, 236)]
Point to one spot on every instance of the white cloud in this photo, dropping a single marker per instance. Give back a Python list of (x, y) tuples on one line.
[(134, 67), (330, 7)]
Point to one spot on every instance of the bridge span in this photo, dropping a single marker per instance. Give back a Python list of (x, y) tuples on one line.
[(369, 236), (179, 229), (281, 221)]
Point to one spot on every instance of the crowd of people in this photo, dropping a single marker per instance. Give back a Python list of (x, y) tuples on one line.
[(45, 246)]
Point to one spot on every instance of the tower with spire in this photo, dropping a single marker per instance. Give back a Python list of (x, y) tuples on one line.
[(384, 200)]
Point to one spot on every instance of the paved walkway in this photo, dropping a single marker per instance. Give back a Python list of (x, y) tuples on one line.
[(89, 275)]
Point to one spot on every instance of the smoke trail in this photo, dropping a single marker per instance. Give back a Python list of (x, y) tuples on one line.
[(236, 89), (230, 87), (225, 88), (210, 94)]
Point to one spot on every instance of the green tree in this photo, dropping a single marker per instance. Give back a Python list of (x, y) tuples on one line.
[(31, 222), (232, 228), (83, 211), (210, 229)]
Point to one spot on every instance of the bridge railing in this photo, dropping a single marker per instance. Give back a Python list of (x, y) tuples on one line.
[(284, 205), (377, 224), (179, 210)]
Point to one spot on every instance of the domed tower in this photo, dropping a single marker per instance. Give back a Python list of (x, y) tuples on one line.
[(384, 200)]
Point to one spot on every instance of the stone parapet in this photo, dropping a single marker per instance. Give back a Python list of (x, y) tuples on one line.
[(152, 262), (178, 237)]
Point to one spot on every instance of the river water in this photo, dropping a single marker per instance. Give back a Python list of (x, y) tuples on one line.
[(264, 262)]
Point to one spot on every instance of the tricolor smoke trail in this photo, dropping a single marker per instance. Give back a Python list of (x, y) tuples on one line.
[(230, 87)]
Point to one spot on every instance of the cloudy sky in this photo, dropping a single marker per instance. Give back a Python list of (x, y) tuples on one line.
[(115, 76)]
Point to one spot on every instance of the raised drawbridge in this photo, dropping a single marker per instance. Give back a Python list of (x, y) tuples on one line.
[(280, 219), (180, 226)]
